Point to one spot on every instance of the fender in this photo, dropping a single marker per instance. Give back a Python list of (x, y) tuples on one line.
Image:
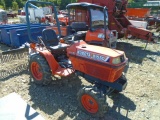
[(53, 64)]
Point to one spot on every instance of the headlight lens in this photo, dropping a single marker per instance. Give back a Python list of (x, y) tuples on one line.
[(116, 60)]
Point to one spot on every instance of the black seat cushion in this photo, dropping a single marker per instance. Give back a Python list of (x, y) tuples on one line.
[(59, 50), (49, 37), (60, 47)]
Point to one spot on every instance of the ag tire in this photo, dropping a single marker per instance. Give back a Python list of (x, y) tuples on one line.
[(39, 69), (92, 102)]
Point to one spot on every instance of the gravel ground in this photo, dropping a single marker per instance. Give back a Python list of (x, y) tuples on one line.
[(57, 101)]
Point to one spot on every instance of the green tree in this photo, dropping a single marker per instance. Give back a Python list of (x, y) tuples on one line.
[(20, 3), (8, 3), (73, 1), (130, 1), (14, 5), (3, 5), (58, 2)]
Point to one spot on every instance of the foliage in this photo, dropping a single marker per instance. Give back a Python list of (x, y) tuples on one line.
[(136, 1), (58, 2), (61, 3), (9, 3), (20, 3), (1, 7), (130, 1), (2, 3), (14, 5)]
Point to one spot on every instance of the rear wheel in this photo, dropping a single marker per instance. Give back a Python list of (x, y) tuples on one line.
[(39, 69), (92, 102)]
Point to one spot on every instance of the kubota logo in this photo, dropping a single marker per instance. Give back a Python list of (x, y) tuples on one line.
[(93, 56)]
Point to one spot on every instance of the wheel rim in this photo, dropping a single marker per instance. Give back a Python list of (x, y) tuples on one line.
[(36, 71), (89, 103)]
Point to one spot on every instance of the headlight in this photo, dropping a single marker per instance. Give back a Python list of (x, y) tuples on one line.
[(101, 35), (116, 60)]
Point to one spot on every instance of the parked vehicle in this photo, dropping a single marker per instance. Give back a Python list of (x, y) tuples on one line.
[(99, 65), (93, 30)]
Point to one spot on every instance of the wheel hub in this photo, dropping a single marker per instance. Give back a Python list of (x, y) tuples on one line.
[(36, 71), (89, 103)]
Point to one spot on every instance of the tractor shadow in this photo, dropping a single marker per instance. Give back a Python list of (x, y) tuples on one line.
[(138, 53), (121, 107), (59, 99)]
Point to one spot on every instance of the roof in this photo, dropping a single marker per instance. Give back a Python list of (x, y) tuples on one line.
[(83, 5)]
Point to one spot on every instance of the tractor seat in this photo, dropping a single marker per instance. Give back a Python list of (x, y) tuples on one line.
[(49, 37), (59, 47), (51, 41)]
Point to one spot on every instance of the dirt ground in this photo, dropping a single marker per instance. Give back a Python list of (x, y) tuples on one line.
[(57, 101)]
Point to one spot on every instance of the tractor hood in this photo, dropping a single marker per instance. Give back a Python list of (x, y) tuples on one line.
[(96, 53), (92, 49), (100, 62)]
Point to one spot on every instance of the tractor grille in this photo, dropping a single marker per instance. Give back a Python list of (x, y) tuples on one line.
[(98, 72), (118, 73)]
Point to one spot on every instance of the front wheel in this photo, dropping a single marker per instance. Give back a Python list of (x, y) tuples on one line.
[(92, 102)]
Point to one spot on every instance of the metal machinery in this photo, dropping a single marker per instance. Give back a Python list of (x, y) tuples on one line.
[(100, 66), (118, 21), (93, 29)]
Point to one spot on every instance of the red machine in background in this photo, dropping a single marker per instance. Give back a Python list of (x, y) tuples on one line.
[(63, 19), (118, 21), (143, 14), (138, 13)]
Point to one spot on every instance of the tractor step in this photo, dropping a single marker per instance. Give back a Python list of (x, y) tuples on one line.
[(64, 71)]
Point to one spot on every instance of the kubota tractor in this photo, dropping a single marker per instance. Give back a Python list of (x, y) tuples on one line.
[(93, 29), (101, 66)]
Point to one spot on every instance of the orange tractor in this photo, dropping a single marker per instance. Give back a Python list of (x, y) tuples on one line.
[(101, 66), (93, 29)]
